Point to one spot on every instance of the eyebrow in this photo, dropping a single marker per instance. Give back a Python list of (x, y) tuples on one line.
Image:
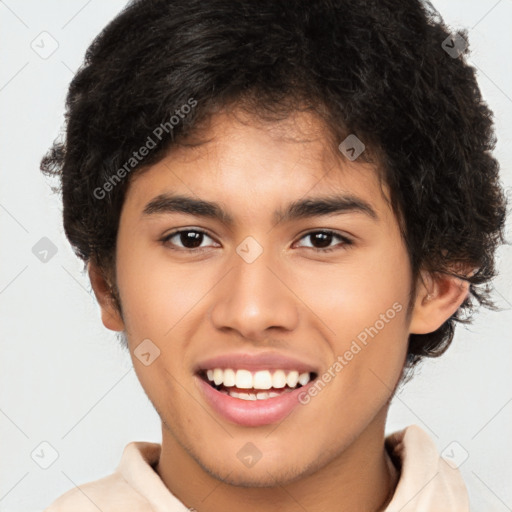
[(300, 209)]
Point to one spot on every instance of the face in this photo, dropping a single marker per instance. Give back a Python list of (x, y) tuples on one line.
[(261, 289)]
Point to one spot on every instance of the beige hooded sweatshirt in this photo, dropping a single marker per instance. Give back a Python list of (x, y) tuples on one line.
[(427, 483)]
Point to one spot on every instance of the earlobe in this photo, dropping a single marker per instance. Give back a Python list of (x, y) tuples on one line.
[(110, 314), (437, 298)]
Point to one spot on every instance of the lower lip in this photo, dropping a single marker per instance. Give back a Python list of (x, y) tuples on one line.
[(251, 413)]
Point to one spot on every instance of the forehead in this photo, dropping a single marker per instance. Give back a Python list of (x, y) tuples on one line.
[(242, 162)]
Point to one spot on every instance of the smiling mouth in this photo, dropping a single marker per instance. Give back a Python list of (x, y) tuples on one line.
[(259, 385)]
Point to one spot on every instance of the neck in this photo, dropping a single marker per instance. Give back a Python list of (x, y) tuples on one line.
[(362, 477)]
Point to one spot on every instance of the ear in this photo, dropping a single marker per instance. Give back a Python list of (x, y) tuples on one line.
[(437, 298), (110, 315)]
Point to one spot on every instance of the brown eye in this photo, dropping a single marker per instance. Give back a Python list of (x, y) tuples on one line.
[(321, 240), (186, 239)]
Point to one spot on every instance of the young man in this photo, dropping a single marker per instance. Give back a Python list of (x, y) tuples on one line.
[(283, 207)]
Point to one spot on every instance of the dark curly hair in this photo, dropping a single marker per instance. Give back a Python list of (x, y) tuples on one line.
[(378, 69)]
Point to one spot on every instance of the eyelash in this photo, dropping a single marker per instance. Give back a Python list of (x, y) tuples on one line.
[(345, 241)]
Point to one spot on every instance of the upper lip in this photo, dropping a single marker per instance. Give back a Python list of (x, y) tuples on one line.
[(256, 362)]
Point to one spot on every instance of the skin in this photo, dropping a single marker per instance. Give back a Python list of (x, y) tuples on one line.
[(328, 454)]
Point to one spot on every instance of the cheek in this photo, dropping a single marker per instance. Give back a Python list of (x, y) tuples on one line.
[(363, 309), (368, 288), (156, 294), (368, 356)]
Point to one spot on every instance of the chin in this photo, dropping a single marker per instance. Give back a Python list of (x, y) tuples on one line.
[(262, 474)]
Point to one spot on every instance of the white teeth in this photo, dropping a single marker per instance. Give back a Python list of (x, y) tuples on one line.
[(229, 377), (303, 378), (262, 379), (243, 379), (243, 396), (292, 378), (262, 395), (218, 376), (279, 379)]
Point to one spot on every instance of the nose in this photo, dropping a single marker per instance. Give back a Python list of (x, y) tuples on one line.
[(255, 298)]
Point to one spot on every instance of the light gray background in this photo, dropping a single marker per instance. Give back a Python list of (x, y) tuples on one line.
[(64, 379)]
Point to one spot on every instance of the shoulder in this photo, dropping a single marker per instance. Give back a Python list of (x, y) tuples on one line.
[(427, 481), (115, 492), (108, 494)]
